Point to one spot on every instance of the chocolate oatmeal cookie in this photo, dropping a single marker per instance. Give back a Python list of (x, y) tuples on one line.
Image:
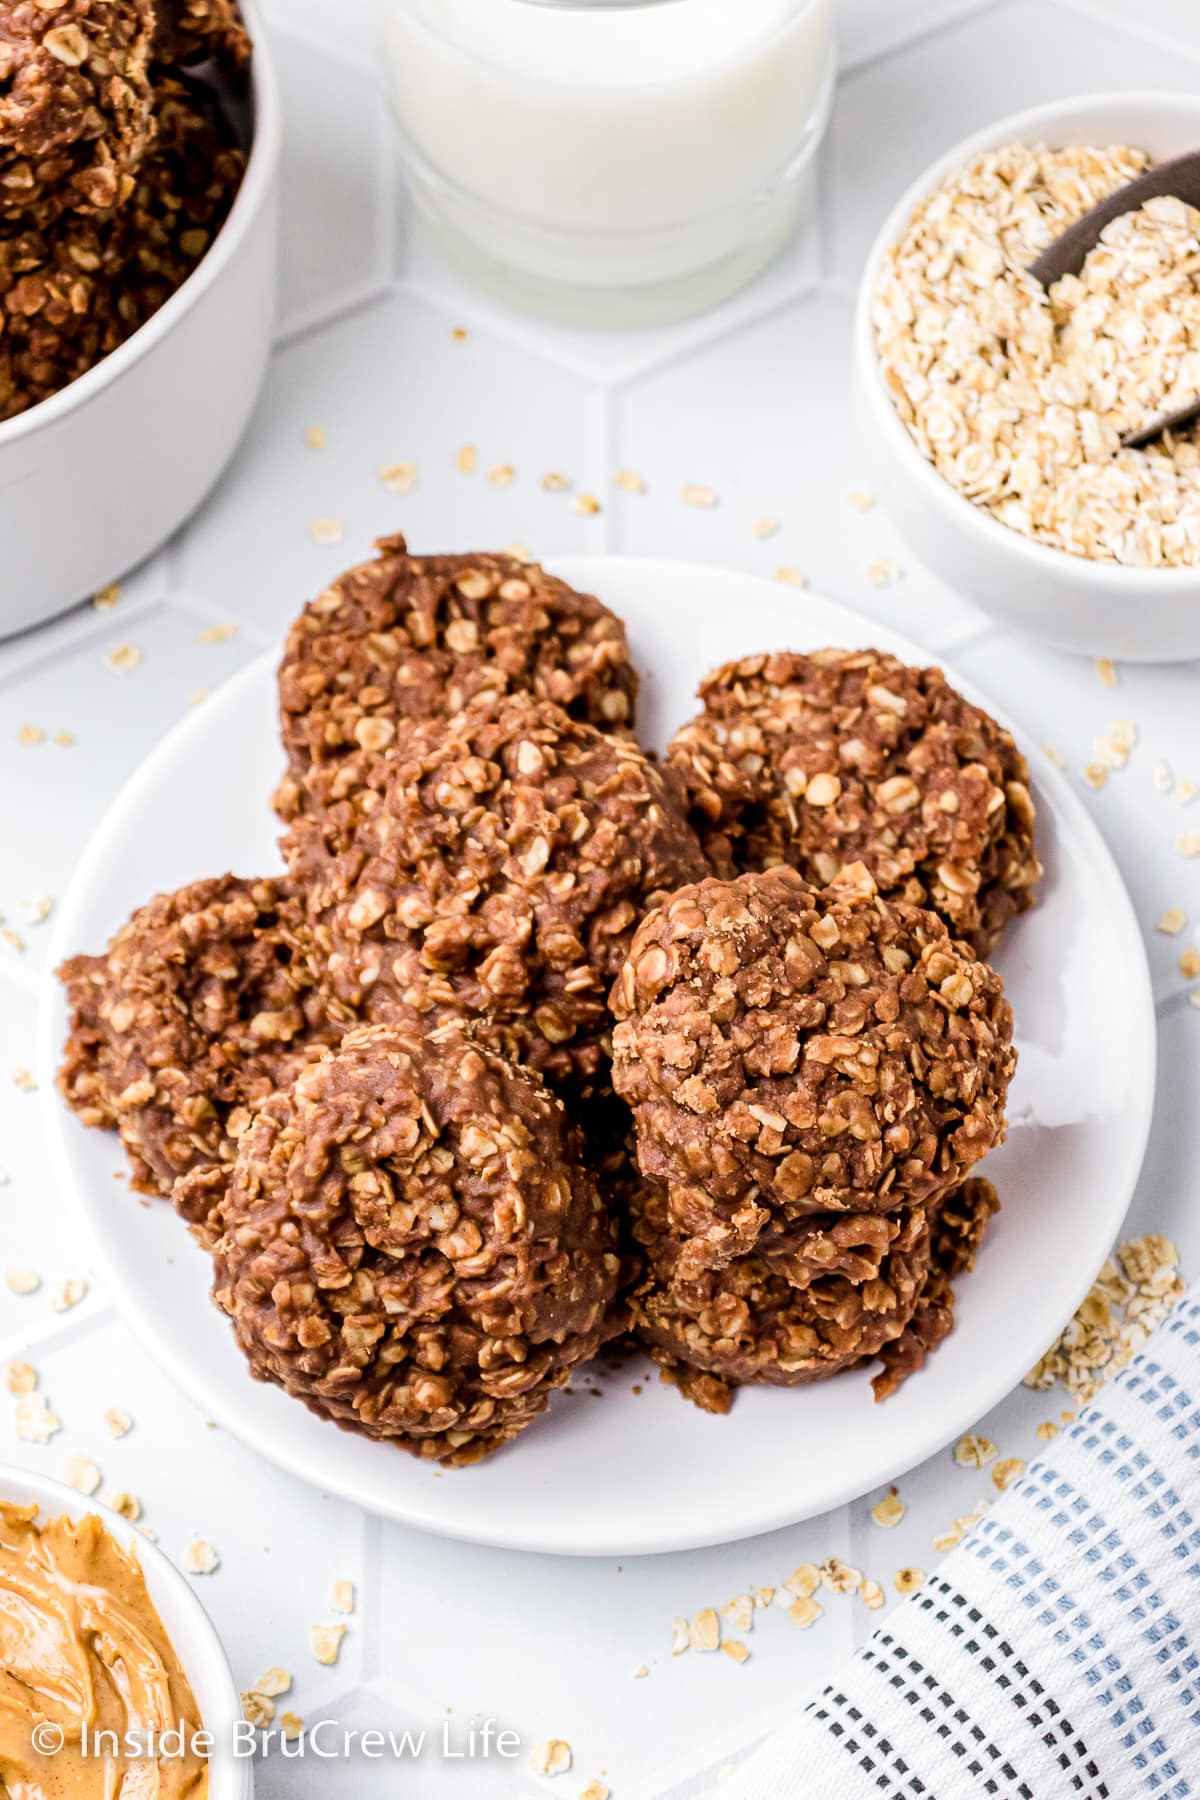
[(751, 1323), (852, 756), (414, 1246), (746, 1323), (203, 1004), (494, 866), (787, 1052), (422, 636), (191, 30), (75, 105), (59, 312)]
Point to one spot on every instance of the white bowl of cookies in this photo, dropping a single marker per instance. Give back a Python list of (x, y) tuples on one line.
[(139, 145), (996, 413)]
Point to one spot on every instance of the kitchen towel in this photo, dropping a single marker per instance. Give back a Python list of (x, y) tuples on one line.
[(1056, 1651)]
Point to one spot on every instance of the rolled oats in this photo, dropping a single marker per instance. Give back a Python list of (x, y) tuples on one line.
[(1020, 398)]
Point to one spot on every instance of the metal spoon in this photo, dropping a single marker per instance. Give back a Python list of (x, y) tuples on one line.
[(1179, 177)]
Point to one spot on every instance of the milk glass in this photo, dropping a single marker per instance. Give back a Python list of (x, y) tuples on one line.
[(612, 162)]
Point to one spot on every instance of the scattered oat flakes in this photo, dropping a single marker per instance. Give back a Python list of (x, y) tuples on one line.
[(65, 738), (291, 1724), (765, 528), (680, 1640), (974, 1452), (861, 500), (459, 334), (326, 530), (399, 477), (80, 1473), (467, 460), (704, 1632), (123, 659), (35, 1422), (118, 1421), (216, 634), (502, 474), (803, 1581), (1096, 775), (839, 1577), (1188, 843), (1189, 964), (593, 1790), (1047, 1429), (22, 1281), (1054, 757), (555, 482), (273, 1682), (31, 734), (1106, 671), (889, 1511), (125, 1505), (198, 698), (907, 1581), (1162, 777), (1185, 791), (791, 576), (873, 1595), (735, 1650), (641, 1672), (630, 481), (20, 1378), (805, 1612), (739, 1612), (37, 911), (314, 437), (765, 1595), (587, 504), (1131, 1295), (105, 598), (551, 1758), (23, 1078), (257, 1709), (326, 1642), (200, 1558), (342, 1597), (958, 1528), (884, 571), (13, 939), (693, 493), (1006, 1471), (1172, 921), (69, 1293)]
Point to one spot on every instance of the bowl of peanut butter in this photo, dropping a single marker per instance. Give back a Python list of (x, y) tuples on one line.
[(113, 1682)]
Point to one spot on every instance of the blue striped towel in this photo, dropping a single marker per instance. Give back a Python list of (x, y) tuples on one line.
[(1056, 1651)]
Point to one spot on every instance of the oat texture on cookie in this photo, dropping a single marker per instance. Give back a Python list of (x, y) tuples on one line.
[(413, 1244)]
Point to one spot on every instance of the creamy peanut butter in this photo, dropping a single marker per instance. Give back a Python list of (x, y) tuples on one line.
[(83, 1651)]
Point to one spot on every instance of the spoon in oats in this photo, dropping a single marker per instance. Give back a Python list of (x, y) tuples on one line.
[(1177, 179)]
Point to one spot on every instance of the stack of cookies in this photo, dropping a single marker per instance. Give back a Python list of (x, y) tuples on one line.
[(539, 1041)]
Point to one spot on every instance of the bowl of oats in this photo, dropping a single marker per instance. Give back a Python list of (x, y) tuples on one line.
[(998, 412), (139, 145)]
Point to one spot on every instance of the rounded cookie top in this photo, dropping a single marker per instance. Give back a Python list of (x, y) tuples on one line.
[(787, 1052), (413, 1244), (75, 105), (853, 756), (422, 636), (494, 865), (204, 1003)]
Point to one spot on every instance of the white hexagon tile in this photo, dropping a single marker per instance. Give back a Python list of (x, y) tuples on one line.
[(396, 360)]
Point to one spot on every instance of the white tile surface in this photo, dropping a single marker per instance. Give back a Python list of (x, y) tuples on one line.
[(750, 400)]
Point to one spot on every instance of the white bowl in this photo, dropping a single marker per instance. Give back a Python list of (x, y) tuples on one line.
[(97, 476), (1095, 609), (186, 1623)]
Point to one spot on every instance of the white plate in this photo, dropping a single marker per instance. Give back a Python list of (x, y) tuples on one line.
[(639, 1473)]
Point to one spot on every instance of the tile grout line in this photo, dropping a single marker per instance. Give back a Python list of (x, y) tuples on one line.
[(1140, 33), (923, 34), (40, 664)]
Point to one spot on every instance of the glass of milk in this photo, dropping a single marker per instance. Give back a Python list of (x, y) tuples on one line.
[(610, 162)]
